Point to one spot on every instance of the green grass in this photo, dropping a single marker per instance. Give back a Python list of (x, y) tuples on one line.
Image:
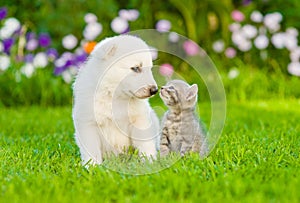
[(256, 160)]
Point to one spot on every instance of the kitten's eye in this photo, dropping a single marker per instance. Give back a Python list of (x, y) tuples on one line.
[(171, 88), (136, 69)]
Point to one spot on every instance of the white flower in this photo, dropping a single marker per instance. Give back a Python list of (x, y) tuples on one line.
[(28, 69), (249, 31), (234, 27), (5, 33), (163, 26), (119, 25), (238, 37), (90, 18), (295, 54), (272, 21), (294, 68), (154, 52), (69, 41), (1, 47), (261, 42), (218, 46), (292, 31), (278, 40), (92, 30), (67, 76), (291, 42), (245, 45), (130, 15), (4, 62), (173, 37), (256, 17), (233, 73), (40, 60), (12, 23)]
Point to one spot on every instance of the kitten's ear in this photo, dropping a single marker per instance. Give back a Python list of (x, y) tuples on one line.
[(192, 92), (109, 51)]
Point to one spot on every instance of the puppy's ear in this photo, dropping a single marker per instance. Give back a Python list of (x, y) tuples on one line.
[(192, 92), (109, 51)]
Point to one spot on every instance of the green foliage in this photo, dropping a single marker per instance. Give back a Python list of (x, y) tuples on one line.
[(256, 160)]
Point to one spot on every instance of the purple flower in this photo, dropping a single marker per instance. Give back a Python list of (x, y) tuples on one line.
[(81, 57), (30, 35), (32, 44), (3, 12), (7, 43), (44, 40), (52, 53), (29, 58), (190, 48)]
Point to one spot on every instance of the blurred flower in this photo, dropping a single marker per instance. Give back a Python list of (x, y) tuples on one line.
[(44, 40), (163, 26), (233, 73), (89, 47), (272, 21), (245, 45), (7, 44), (28, 58), (249, 31), (173, 37), (130, 15), (1, 47), (69, 41), (30, 35), (90, 18), (119, 25), (40, 60), (256, 16), (278, 40), (237, 16), (52, 54), (4, 62), (294, 68), (234, 27), (218, 46), (27, 69), (230, 52), (291, 41), (63, 63), (190, 48), (292, 31), (67, 76), (166, 69), (11, 25), (238, 37), (80, 56), (295, 54), (154, 52), (92, 30), (261, 42), (32, 44), (3, 13)]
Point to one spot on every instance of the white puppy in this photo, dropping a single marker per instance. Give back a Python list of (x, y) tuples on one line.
[(111, 110)]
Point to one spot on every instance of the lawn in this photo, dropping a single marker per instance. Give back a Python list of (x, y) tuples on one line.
[(256, 160)]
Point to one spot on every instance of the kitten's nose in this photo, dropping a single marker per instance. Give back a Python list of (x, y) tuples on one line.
[(153, 90)]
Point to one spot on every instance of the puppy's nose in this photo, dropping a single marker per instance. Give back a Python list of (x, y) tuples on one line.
[(153, 90)]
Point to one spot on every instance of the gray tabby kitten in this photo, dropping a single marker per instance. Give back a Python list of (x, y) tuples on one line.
[(181, 131)]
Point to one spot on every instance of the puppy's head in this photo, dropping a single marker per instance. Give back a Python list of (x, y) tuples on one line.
[(129, 61)]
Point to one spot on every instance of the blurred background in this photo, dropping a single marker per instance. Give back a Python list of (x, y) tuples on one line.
[(254, 44)]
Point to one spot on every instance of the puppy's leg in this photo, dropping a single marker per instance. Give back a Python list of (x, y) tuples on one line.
[(88, 139)]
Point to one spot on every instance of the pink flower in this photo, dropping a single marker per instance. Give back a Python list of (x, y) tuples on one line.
[(230, 52), (166, 69), (190, 48), (237, 16)]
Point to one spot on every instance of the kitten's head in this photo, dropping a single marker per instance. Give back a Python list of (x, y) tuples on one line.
[(178, 94)]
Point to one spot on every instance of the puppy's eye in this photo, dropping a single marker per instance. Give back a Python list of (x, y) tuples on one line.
[(136, 69)]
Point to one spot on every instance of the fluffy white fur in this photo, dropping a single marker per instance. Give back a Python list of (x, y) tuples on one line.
[(111, 109)]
